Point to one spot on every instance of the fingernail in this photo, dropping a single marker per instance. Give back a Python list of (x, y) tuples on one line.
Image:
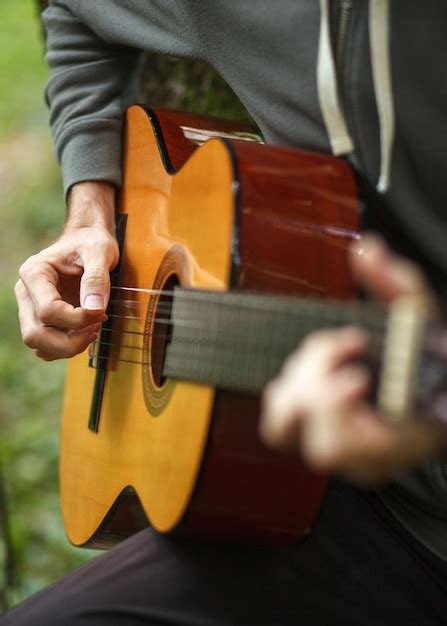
[(94, 302)]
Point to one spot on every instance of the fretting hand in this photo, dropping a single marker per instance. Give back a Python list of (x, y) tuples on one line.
[(317, 404)]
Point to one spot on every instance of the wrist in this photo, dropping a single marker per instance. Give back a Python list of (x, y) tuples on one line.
[(91, 204)]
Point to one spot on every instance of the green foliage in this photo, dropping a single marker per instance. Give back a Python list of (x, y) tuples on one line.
[(35, 551), (22, 71)]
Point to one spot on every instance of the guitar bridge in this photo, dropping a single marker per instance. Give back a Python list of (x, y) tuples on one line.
[(100, 352)]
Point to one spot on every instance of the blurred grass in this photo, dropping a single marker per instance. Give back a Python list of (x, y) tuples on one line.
[(31, 214), (22, 71)]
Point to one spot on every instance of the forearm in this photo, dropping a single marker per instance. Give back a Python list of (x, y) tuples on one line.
[(91, 204)]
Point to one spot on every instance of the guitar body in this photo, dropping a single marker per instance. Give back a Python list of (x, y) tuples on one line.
[(178, 455)]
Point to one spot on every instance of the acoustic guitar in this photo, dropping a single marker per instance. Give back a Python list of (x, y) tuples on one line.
[(231, 252)]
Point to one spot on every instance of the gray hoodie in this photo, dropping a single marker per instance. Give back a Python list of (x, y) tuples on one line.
[(360, 78)]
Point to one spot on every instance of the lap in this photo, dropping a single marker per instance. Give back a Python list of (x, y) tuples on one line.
[(355, 568)]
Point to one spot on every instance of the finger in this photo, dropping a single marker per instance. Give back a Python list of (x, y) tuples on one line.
[(50, 342), (327, 415), (45, 356), (29, 324), (40, 279), (347, 384), (57, 343), (375, 451), (79, 341), (325, 350), (328, 443), (306, 386), (317, 411), (368, 451), (95, 282), (280, 415), (385, 274)]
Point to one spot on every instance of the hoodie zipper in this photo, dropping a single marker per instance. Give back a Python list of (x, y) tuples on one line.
[(342, 32), (343, 24)]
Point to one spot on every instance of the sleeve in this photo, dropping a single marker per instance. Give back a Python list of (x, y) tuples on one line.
[(86, 95)]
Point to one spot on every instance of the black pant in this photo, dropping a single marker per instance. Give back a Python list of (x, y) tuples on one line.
[(358, 567)]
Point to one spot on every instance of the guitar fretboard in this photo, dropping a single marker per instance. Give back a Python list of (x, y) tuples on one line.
[(239, 341)]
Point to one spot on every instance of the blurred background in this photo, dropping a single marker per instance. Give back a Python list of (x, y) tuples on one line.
[(33, 548)]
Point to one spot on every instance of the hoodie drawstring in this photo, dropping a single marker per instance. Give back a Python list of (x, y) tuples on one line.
[(328, 95), (379, 36), (339, 137)]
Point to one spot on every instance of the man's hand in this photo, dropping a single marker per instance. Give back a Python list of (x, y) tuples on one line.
[(63, 291), (317, 403)]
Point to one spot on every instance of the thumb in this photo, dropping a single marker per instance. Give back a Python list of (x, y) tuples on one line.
[(95, 285), (384, 274)]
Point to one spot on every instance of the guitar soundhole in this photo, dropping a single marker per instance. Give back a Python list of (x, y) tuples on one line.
[(174, 270), (162, 330)]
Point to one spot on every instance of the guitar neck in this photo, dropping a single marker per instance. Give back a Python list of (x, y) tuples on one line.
[(239, 340)]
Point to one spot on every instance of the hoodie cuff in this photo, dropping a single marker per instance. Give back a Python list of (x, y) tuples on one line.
[(92, 152)]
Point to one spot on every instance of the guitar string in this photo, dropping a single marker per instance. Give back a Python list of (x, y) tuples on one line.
[(374, 332), (96, 345), (166, 307), (184, 323), (97, 357), (108, 358), (336, 310), (193, 323), (195, 339), (357, 312), (216, 297)]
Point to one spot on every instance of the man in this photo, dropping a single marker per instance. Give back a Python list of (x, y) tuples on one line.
[(372, 558)]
